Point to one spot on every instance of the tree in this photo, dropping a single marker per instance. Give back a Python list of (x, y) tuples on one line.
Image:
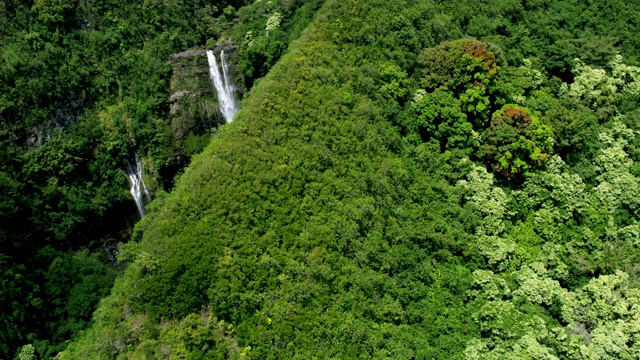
[(437, 115), (593, 86), (27, 353), (516, 142), (513, 85), (465, 67), (54, 12)]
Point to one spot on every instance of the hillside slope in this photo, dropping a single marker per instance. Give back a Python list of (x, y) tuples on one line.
[(386, 192), (301, 225)]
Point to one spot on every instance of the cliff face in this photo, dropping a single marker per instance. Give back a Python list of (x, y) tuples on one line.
[(193, 100), (194, 106)]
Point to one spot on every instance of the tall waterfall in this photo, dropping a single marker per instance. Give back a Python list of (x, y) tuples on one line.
[(138, 188), (224, 88)]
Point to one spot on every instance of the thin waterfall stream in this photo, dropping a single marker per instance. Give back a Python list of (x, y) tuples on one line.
[(224, 87), (138, 189)]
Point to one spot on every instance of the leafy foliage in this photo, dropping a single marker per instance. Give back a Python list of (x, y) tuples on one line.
[(426, 179), (465, 67), (516, 141), (82, 86)]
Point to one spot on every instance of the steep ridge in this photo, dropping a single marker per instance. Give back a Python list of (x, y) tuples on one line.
[(301, 224)]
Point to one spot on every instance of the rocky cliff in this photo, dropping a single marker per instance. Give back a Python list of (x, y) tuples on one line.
[(194, 107)]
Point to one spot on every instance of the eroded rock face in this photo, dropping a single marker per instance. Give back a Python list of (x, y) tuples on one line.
[(193, 101), (189, 54)]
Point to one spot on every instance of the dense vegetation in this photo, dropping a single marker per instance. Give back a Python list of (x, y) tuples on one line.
[(84, 84), (411, 179)]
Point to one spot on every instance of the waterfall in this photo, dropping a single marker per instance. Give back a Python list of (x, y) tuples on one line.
[(224, 88), (138, 188)]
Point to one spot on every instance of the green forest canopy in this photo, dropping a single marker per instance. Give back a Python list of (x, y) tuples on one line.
[(409, 180)]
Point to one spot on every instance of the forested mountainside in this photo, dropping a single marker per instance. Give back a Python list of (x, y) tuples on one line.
[(86, 88), (404, 179)]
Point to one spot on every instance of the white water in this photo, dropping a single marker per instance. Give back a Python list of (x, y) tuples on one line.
[(138, 188), (224, 88)]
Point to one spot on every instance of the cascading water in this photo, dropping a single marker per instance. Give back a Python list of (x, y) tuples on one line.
[(138, 188), (224, 88)]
